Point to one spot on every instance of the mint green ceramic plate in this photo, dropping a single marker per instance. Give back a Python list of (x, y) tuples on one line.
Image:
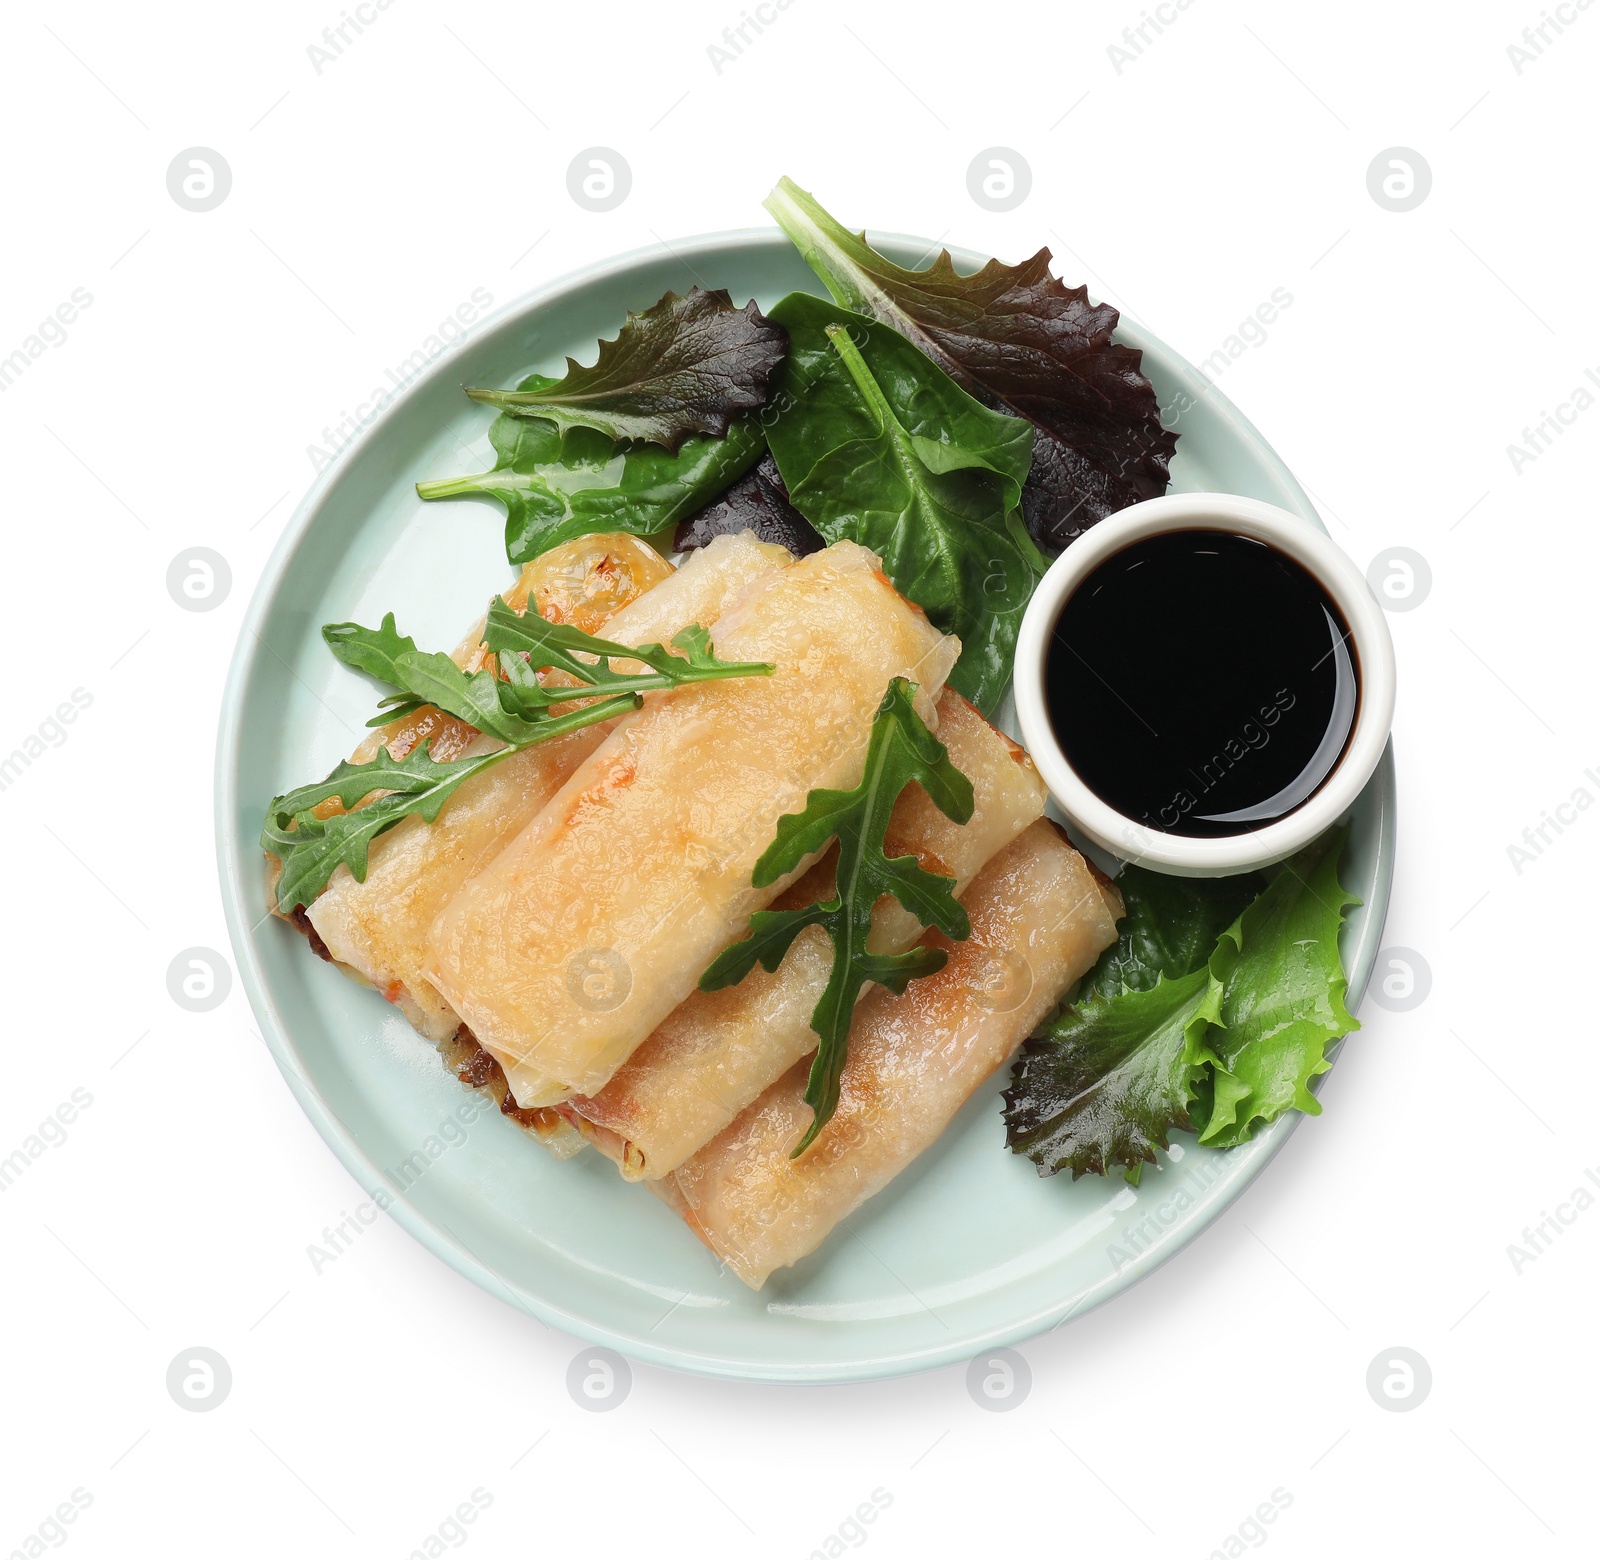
[(967, 1250)]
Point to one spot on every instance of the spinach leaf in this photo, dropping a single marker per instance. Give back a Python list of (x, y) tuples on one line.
[(685, 365), (876, 444), (556, 485), (1017, 336), (900, 750)]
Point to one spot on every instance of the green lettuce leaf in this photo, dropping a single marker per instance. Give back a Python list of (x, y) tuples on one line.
[(555, 486), (685, 365), (1211, 1013), (876, 444), (1283, 999), (900, 750), (1107, 1082)]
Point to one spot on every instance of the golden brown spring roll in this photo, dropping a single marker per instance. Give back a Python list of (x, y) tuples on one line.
[(1040, 917), (719, 1049), (378, 929), (597, 920)]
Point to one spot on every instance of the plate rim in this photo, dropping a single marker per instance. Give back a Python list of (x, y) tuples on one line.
[(233, 850)]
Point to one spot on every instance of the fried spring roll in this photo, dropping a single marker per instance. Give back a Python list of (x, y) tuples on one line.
[(378, 929), (597, 920), (1040, 917), (719, 1049)]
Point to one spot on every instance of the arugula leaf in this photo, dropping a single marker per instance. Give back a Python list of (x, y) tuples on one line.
[(876, 444), (1021, 338), (517, 712), (314, 848), (526, 640), (395, 707), (1107, 1082), (555, 486), (435, 679), (411, 775), (757, 502), (1179, 1028), (901, 749), (1170, 928), (370, 650), (685, 365), (1283, 1003), (375, 651)]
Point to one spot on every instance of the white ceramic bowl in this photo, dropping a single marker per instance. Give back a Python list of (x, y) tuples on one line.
[(1372, 649)]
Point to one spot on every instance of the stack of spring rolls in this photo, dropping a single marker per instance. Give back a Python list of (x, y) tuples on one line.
[(548, 930)]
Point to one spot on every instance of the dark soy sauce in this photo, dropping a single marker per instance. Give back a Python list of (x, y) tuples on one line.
[(1201, 683)]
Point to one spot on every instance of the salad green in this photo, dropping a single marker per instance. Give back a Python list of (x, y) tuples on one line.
[(1018, 338), (1283, 996), (1211, 1013), (556, 486), (685, 365)]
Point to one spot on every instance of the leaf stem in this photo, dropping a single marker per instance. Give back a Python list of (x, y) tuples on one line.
[(850, 354), (450, 487), (872, 393)]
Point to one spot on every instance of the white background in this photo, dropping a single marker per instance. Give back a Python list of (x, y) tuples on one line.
[(1229, 158)]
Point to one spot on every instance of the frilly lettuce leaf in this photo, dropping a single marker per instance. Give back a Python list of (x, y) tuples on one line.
[(1232, 1041), (1283, 998)]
